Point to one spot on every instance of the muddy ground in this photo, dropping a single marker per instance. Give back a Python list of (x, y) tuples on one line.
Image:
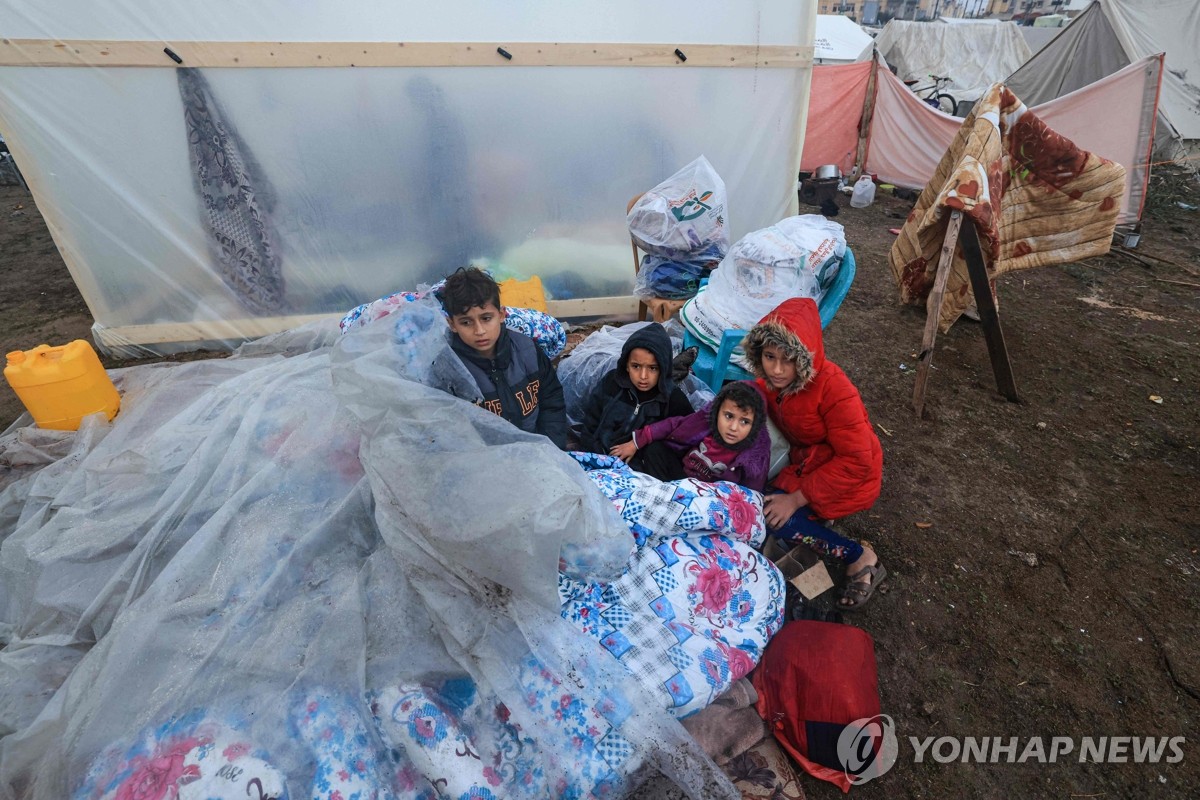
[(1094, 634)]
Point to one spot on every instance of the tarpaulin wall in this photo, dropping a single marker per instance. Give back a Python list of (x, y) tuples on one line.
[(263, 187), (835, 109), (907, 137)]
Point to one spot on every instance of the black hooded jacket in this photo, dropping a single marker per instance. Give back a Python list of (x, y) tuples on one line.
[(519, 384), (615, 410)]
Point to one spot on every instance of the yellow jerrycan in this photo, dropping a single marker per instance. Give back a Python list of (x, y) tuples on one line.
[(61, 385)]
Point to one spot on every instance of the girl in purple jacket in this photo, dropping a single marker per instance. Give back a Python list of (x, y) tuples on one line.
[(724, 441)]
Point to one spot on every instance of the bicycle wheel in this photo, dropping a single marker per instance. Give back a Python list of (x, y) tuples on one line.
[(944, 103)]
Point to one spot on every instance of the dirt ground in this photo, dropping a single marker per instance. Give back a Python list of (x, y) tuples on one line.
[(1094, 634)]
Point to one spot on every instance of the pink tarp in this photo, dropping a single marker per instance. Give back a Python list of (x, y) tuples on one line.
[(908, 136), (835, 107), (1113, 118)]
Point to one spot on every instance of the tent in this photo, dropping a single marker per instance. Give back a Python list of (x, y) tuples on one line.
[(974, 56), (220, 175), (1037, 38), (840, 40), (1109, 36), (862, 114)]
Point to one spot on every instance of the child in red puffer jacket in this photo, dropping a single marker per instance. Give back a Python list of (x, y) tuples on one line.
[(836, 463)]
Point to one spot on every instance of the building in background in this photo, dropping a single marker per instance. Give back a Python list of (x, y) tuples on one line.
[(878, 12)]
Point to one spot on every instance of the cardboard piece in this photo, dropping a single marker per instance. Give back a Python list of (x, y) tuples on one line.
[(813, 581), (801, 567)]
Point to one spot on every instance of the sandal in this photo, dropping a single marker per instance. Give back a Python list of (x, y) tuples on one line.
[(858, 592)]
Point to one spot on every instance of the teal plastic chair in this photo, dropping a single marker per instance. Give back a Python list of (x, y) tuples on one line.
[(714, 368)]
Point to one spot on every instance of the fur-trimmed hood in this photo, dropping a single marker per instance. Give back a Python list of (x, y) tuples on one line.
[(795, 328)]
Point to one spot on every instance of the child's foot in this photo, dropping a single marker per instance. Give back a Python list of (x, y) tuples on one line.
[(862, 577)]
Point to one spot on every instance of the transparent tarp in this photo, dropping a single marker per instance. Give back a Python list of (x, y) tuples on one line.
[(190, 202), (300, 575)]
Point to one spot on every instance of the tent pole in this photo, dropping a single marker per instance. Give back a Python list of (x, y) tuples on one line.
[(864, 122)]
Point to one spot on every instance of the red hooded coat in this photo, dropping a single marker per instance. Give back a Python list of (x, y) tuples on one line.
[(836, 460)]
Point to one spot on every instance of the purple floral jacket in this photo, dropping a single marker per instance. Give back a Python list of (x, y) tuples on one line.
[(681, 434)]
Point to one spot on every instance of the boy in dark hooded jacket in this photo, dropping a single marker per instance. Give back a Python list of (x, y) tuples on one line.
[(635, 393), (515, 379), (835, 461)]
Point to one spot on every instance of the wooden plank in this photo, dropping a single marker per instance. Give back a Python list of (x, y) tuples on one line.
[(986, 304), (89, 53), (614, 307), (93, 296), (934, 310), (637, 260), (204, 330), (252, 328)]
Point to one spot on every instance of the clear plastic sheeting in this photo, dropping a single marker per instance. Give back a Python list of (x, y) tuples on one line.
[(298, 574), (207, 206)]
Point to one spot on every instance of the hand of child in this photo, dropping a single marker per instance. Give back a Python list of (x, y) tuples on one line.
[(779, 508), (623, 451)]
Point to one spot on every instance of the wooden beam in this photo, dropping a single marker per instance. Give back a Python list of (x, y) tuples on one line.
[(933, 311), (252, 328), (615, 307), (90, 53), (986, 304)]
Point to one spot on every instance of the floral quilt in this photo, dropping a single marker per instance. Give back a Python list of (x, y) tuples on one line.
[(698, 604)]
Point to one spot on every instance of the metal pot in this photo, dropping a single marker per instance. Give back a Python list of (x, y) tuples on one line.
[(827, 171)]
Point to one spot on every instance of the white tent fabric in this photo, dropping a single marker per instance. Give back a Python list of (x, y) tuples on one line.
[(1173, 27), (352, 183), (973, 56), (1109, 35), (840, 40)]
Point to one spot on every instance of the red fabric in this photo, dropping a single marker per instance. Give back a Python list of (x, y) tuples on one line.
[(820, 673), (836, 459)]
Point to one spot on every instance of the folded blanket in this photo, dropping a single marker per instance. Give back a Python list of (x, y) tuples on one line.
[(730, 726)]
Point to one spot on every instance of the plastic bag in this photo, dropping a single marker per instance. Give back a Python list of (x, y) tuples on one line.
[(796, 257), (684, 215), (864, 192), (673, 279)]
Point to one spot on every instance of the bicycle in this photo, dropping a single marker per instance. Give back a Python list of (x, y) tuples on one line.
[(938, 99)]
